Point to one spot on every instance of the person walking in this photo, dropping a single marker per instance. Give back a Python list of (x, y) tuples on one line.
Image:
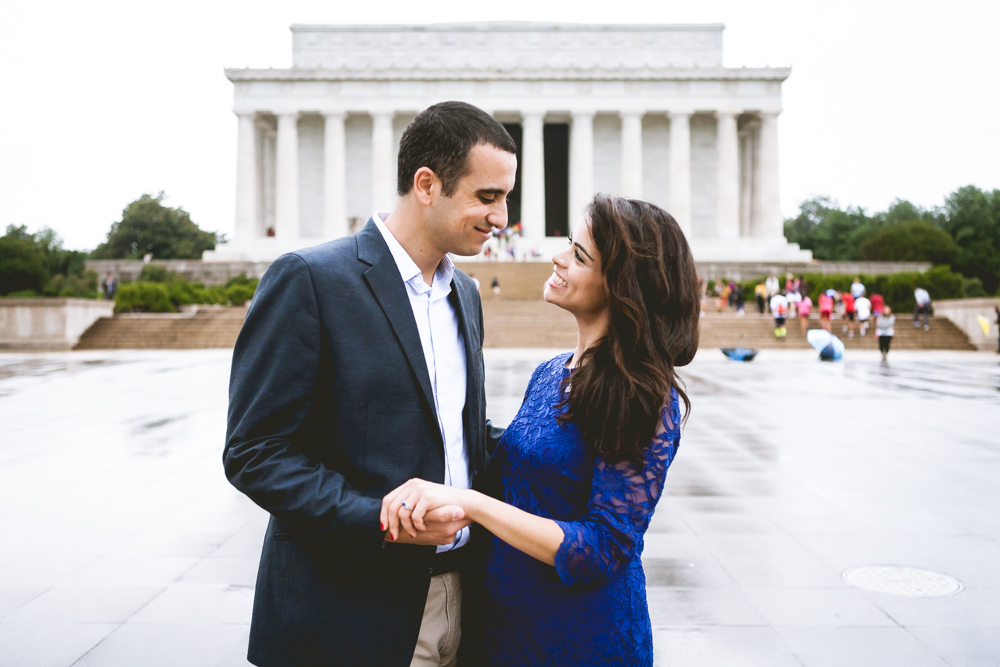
[(739, 300), (863, 307), (760, 295), (857, 288), (923, 307), (877, 303), (584, 463), (885, 329), (996, 309), (779, 309), (772, 285), (109, 287), (359, 367), (847, 299), (495, 285), (805, 307), (826, 310)]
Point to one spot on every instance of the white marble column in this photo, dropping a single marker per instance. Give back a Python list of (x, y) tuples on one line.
[(680, 170), (286, 205), (383, 164), (631, 185), (246, 178), (581, 165), (533, 176), (334, 176), (768, 203), (727, 205)]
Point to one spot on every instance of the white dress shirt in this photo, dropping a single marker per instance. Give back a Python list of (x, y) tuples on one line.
[(444, 351)]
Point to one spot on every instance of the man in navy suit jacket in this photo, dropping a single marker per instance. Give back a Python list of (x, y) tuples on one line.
[(359, 367)]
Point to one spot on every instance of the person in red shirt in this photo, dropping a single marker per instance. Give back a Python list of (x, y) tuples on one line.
[(849, 313), (877, 304), (825, 310)]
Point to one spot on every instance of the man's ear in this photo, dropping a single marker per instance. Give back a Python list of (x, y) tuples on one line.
[(426, 186)]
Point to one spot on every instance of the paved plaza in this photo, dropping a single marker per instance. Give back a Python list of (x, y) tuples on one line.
[(123, 545)]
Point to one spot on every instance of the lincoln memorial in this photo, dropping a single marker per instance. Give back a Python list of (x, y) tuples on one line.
[(644, 111)]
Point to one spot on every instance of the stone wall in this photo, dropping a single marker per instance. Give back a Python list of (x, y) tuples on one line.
[(47, 324), (964, 312), (209, 273), (217, 273)]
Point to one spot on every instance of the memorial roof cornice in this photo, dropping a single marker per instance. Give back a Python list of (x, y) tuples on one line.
[(511, 26), (666, 74)]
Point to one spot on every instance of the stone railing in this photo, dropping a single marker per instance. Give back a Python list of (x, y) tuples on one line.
[(47, 324), (965, 314), (194, 270)]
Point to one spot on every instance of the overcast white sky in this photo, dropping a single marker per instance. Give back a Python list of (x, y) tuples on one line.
[(103, 101)]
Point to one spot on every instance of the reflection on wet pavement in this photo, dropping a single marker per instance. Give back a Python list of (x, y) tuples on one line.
[(123, 544)]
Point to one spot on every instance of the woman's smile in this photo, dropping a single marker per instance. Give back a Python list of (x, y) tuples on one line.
[(557, 282)]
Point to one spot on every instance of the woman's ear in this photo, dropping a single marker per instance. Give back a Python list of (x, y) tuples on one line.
[(426, 186)]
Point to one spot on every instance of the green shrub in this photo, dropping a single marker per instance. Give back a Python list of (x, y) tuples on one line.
[(168, 297), (83, 286), (896, 288), (157, 273), (143, 298), (238, 295), (973, 287), (243, 280), (183, 293), (22, 294)]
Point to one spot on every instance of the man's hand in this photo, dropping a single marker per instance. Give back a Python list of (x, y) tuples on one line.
[(404, 509), (442, 525)]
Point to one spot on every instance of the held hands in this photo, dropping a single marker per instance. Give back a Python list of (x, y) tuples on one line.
[(434, 513)]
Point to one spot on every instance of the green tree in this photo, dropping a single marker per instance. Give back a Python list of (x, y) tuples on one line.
[(830, 232), (910, 241), (23, 262), (972, 218), (147, 226)]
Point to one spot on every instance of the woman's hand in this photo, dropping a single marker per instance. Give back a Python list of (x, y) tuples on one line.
[(421, 496)]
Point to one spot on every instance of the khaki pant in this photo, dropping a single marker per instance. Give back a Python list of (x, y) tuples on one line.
[(441, 628)]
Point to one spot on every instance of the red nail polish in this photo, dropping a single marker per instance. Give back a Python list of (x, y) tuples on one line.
[(381, 526), (391, 537)]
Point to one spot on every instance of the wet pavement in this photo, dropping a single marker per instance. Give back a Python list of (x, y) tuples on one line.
[(122, 544)]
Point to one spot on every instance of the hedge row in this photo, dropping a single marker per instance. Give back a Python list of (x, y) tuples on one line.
[(168, 297)]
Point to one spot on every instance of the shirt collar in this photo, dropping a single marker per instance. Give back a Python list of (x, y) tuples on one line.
[(408, 269)]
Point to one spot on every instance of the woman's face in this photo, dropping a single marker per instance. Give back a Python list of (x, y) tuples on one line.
[(577, 284)]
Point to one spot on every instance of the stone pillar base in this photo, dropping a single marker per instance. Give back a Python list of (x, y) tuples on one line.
[(748, 250)]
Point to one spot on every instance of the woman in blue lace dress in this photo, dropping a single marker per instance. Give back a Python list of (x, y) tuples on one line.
[(584, 462)]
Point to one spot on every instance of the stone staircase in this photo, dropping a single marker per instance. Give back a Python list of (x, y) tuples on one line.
[(509, 322), (757, 331), (207, 327), (518, 280), (512, 323)]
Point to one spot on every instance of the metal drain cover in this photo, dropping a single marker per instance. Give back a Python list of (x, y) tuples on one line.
[(899, 580)]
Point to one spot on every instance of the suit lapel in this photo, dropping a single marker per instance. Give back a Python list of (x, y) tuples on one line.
[(390, 292)]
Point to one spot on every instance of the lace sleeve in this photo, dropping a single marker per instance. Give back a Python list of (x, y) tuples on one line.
[(621, 504)]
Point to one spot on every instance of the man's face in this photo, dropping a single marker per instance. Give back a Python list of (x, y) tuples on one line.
[(462, 223)]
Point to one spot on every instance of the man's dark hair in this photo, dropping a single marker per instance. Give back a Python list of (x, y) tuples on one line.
[(441, 137)]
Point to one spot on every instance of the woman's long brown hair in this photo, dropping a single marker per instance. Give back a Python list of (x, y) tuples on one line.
[(620, 384)]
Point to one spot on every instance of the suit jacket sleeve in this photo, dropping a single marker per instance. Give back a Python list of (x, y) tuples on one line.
[(276, 363)]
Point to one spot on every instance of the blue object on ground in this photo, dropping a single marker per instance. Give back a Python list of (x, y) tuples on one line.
[(739, 353)]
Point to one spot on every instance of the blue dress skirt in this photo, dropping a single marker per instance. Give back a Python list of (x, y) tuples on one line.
[(590, 609)]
